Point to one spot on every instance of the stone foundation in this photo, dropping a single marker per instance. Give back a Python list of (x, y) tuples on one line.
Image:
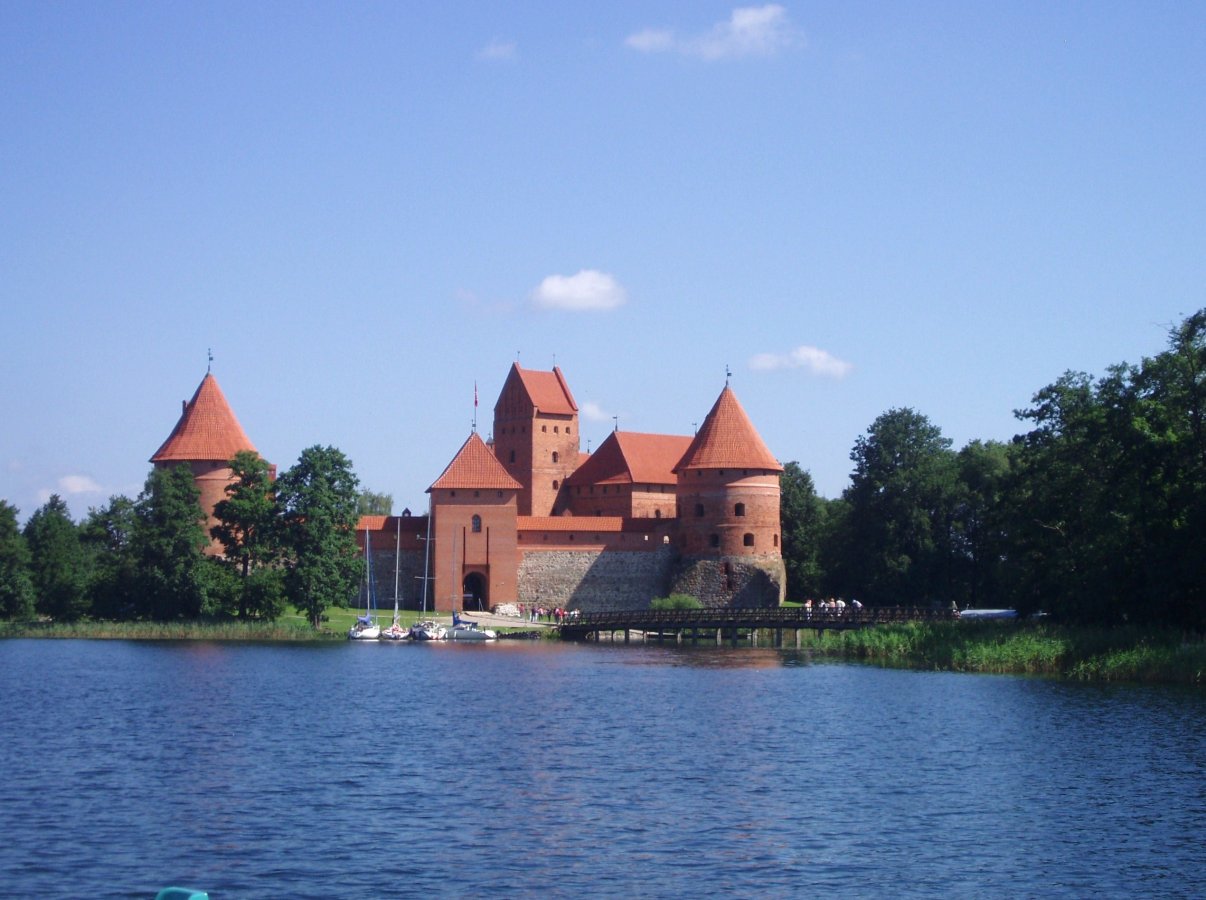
[(595, 581), (731, 582)]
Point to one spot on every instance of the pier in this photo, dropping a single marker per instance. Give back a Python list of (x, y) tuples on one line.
[(734, 625)]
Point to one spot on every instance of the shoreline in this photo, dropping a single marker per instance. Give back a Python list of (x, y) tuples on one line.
[(1122, 655)]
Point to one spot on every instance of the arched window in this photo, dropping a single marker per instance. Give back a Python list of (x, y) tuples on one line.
[(556, 484), (748, 540), (657, 514), (714, 540), (477, 524), (739, 509), (699, 510), (556, 456), (512, 456)]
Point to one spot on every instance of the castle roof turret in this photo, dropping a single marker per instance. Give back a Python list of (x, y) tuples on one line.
[(207, 430), (548, 392), (475, 466), (728, 440)]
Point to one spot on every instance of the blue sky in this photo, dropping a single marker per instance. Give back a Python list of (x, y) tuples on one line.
[(365, 209)]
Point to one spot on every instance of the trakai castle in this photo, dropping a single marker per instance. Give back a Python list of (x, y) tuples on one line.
[(531, 518)]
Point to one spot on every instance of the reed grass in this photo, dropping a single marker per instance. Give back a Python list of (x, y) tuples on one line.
[(166, 631), (1097, 654)]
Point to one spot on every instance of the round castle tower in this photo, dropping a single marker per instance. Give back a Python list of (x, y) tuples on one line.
[(205, 439), (728, 512)]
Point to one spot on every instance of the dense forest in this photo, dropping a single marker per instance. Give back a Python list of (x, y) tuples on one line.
[(1096, 514)]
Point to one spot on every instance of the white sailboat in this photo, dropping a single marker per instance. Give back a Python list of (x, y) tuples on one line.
[(366, 628), (464, 630), (395, 632), (427, 629)]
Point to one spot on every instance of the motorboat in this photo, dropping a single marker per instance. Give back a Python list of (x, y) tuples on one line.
[(463, 630), (428, 631)]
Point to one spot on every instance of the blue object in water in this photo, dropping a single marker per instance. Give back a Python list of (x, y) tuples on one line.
[(178, 893)]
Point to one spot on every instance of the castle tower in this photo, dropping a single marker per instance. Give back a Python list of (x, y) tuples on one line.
[(205, 439), (728, 510), (536, 437), (474, 552)]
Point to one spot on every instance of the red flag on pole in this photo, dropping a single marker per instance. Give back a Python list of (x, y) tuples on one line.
[(475, 395)]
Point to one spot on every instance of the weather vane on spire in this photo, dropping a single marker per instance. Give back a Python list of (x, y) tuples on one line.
[(727, 374), (210, 366)]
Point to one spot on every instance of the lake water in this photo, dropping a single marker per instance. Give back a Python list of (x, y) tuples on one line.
[(346, 770)]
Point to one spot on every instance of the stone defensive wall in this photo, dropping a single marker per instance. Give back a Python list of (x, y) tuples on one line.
[(734, 581), (595, 579)]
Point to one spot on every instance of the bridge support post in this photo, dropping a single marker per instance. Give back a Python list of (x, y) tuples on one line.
[(719, 636), (797, 638), (626, 635)]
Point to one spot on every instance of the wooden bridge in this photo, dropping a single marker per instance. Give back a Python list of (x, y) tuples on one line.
[(717, 624)]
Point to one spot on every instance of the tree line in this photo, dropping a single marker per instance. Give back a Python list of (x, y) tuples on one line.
[(1096, 514), (290, 537)]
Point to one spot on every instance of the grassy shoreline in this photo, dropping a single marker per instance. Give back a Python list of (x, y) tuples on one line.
[(1130, 654)]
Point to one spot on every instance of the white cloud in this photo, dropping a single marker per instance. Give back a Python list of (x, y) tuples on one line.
[(816, 361), (588, 290), (499, 51), (79, 484), (749, 31), (593, 412)]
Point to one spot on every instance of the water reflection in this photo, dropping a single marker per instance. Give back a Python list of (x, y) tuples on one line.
[(351, 771)]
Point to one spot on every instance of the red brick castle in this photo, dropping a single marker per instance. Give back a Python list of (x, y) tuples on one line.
[(530, 518)]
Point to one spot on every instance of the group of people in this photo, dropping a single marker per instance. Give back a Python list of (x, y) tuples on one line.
[(554, 614), (831, 605)]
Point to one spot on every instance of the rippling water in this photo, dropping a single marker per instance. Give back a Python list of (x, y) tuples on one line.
[(521, 769)]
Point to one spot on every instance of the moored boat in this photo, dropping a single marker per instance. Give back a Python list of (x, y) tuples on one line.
[(463, 630), (428, 631)]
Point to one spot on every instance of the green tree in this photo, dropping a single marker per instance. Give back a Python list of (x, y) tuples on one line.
[(371, 503), (901, 501), (168, 540), (802, 514), (16, 587), (318, 499), (107, 535), (248, 529), (58, 563), (980, 538)]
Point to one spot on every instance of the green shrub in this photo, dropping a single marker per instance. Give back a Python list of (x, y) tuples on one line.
[(676, 601)]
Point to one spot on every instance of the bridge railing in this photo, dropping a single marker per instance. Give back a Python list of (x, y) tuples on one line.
[(777, 617)]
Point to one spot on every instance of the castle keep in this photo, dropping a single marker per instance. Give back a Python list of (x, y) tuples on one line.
[(528, 517)]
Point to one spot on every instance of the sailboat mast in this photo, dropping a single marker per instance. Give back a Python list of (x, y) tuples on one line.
[(426, 557), (397, 562)]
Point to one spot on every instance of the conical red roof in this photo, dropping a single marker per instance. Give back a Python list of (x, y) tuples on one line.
[(475, 466), (728, 440), (207, 430)]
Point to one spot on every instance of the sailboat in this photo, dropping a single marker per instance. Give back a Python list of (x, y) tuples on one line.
[(464, 630), (427, 629), (366, 629), (395, 632)]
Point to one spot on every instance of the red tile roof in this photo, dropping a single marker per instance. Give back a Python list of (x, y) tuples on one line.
[(728, 440), (207, 430), (548, 391), (475, 466), (631, 457)]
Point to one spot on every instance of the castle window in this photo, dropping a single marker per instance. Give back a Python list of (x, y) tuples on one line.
[(477, 524), (699, 510), (544, 428), (500, 493), (605, 489), (477, 493), (776, 540), (657, 514), (748, 540), (739, 509), (556, 430), (556, 484), (452, 493), (556, 456), (512, 456), (714, 540), (567, 431)]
